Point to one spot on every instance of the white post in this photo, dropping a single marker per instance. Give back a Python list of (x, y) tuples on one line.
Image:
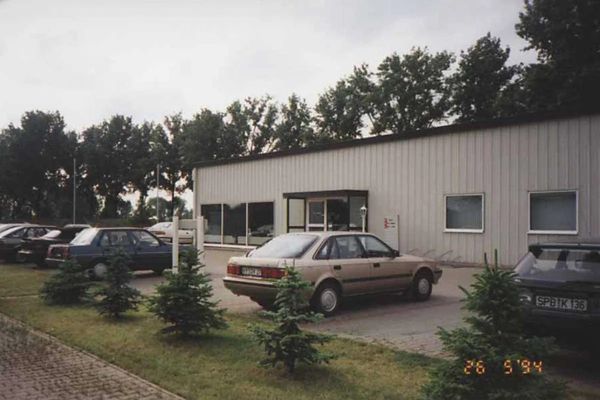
[(200, 238), (175, 245)]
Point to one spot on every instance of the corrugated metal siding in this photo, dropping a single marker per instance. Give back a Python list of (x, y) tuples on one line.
[(410, 178)]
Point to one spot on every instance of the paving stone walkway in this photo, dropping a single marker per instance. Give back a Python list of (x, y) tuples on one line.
[(35, 366)]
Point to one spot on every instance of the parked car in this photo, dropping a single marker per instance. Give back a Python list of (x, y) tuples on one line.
[(4, 227), (93, 247), (164, 230), (338, 264), (560, 287), (36, 249), (12, 239)]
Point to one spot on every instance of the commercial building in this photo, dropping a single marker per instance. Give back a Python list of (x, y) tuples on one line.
[(451, 192)]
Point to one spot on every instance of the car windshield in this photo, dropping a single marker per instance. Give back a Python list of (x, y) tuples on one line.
[(291, 245), (560, 265), (52, 234), (85, 237)]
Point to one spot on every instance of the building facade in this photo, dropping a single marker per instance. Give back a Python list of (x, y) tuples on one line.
[(450, 193)]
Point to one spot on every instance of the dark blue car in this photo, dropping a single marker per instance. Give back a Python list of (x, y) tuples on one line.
[(93, 247)]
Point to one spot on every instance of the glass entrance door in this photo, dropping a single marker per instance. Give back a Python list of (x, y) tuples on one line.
[(315, 215)]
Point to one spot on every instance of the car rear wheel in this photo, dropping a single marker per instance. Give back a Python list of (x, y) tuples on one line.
[(421, 286), (327, 299), (98, 271)]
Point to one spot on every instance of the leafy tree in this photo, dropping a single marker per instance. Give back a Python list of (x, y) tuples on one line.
[(117, 296), (494, 334), (204, 138), (566, 35), (107, 155), (141, 166), (41, 151), (166, 151), (480, 80), (286, 343), (294, 129), (340, 111), (68, 286), (184, 300), (412, 91), (253, 123)]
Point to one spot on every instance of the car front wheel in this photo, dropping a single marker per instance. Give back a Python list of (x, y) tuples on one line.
[(327, 299), (422, 286)]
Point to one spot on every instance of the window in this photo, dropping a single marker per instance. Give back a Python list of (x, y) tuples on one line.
[(337, 214), (355, 204), (464, 213), (115, 238), (295, 215), (346, 247), (323, 253), (553, 212), (375, 247), (212, 217), (145, 239), (234, 223), (260, 222)]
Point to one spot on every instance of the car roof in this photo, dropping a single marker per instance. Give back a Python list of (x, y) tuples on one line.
[(330, 233), (120, 228)]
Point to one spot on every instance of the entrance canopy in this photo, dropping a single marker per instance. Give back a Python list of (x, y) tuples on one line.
[(328, 210)]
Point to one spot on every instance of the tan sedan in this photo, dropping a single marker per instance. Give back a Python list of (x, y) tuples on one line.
[(338, 264)]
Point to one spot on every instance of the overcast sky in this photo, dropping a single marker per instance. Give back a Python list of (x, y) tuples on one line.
[(91, 59)]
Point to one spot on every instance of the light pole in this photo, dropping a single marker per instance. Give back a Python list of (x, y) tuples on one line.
[(74, 188), (363, 216), (157, 188)]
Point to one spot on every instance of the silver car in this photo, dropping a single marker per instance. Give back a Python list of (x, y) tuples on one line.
[(337, 264)]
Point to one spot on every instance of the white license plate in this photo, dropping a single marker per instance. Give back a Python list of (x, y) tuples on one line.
[(561, 303), (251, 271)]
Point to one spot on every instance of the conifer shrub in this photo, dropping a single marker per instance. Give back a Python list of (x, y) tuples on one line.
[(492, 358), (69, 285), (116, 296), (185, 302), (287, 343)]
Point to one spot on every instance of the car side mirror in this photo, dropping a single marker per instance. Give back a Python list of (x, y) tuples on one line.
[(395, 253)]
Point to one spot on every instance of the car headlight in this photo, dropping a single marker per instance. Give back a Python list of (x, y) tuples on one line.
[(525, 296)]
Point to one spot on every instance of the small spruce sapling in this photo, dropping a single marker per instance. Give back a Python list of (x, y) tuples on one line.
[(286, 343), (68, 286), (485, 352), (117, 296), (185, 302)]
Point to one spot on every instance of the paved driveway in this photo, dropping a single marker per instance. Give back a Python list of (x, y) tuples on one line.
[(390, 319)]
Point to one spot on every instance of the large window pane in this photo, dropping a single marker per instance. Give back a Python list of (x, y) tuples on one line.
[(356, 202), (337, 214), (234, 223), (260, 222), (212, 224), (295, 215), (553, 211), (464, 212)]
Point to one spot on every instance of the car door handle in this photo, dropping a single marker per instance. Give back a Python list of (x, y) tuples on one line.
[(337, 267), (376, 265)]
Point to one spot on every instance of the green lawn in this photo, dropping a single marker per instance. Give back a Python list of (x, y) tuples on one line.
[(221, 365), (21, 279)]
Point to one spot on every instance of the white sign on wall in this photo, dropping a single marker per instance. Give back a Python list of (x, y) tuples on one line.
[(390, 231)]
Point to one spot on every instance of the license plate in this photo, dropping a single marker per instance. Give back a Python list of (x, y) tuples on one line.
[(251, 271), (561, 303)]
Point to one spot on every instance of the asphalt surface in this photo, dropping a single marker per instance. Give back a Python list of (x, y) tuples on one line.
[(389, 319)]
